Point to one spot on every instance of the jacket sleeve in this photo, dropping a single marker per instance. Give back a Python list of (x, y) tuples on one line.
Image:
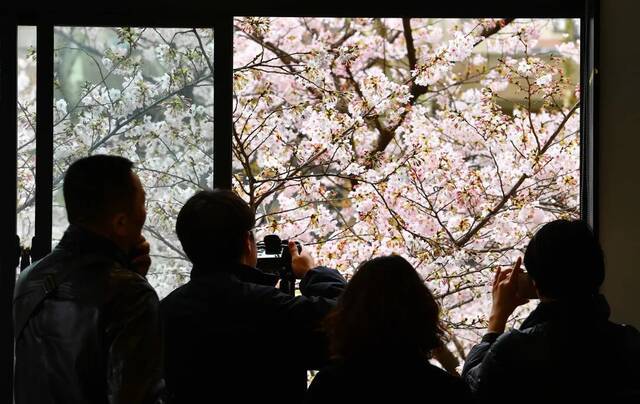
[(135, 360), (301, 316), (324, 282), (483, 370)]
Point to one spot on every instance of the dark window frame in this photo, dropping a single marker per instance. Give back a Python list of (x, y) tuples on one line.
[(220, 17)]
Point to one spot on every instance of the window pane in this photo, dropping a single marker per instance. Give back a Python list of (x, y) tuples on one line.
[(26, 112), (448, 141), (145, 94)]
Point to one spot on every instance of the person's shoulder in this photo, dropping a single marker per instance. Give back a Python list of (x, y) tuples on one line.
[(627, 329), (516, 348), (46, 265), (627, 336), (446, 385), (517, 337), (125, 286), (333, 374), (84, 274), (334, 368), (206, 293), (124, 277), (258, 291), (332, 383), (176, 293), (265, 298), (179, 294), (441, 376)]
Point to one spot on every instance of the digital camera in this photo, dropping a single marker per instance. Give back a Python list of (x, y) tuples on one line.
[(274, 257)]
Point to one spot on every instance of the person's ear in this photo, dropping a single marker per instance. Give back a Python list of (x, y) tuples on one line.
[(250, 243), (248, 249)]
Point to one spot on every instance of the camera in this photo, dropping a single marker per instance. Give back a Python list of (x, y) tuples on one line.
[(526, 288), (274, 257)]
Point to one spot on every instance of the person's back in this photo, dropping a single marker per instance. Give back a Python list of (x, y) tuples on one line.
[(382, 332), (86, 324), (563, 352), (394, 380), (75, 348), (566, 350), (230, 334)]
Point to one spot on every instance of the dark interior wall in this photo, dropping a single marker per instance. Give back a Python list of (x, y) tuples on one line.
[(619, 194)]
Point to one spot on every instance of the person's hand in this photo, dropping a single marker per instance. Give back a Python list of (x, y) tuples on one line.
[(446, 358), (141, 261), (505, 297), (301, 263)]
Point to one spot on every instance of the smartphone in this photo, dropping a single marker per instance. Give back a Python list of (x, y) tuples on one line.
[(526, 289)]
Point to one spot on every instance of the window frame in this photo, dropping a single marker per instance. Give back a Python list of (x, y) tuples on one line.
[(220, 17)]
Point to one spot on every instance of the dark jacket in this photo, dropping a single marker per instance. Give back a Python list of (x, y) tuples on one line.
[(231, 336), (96, 338), (397, 380), (565, 351)]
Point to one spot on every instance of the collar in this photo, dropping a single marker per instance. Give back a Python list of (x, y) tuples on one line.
[(79, 240), (571, 310)]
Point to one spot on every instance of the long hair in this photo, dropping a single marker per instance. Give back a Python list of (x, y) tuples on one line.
[(386, 309)]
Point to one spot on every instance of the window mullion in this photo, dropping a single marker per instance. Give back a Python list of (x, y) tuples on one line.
[(44, 141), (223, 101), (589, 115)]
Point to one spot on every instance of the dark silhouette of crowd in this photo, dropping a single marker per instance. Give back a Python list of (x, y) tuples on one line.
[(90, 329)]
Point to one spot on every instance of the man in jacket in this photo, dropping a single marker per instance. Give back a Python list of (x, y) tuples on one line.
[(87, 323), (231, 336), (566, 350)]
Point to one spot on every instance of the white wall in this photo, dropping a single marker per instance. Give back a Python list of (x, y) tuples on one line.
[(620, 155)]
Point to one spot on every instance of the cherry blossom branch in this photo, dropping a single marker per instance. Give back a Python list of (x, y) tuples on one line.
[(514, 189), (385, 138)]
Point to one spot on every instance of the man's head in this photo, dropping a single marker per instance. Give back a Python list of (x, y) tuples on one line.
[(214, 227), (103, 194), (565, 260)]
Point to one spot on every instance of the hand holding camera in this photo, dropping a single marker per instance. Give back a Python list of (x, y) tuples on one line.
[(284, 258), (301, 262), (505, 297)]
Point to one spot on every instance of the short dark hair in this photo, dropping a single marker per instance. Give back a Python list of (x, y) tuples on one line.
[(386, 308), (97, 186), (565, 259), (212, 225)]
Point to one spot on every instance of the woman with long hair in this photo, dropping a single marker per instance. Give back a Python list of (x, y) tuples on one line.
[(382, 333)]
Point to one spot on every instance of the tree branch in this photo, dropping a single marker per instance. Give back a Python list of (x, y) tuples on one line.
[(469, 235)]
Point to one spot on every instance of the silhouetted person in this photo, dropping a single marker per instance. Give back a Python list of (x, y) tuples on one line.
[(231, 336), (566, 350), (382, 333), (87, 321)]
